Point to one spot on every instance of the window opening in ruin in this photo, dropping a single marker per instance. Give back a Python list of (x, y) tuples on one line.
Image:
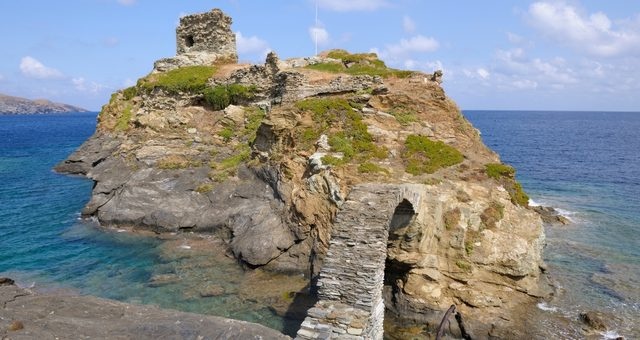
[(189, 41)]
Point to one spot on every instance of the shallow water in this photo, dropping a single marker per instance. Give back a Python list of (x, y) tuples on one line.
[(44, 243), (587, 164)]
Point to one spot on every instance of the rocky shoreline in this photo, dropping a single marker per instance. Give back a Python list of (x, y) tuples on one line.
[(263, 157), (29, 315)]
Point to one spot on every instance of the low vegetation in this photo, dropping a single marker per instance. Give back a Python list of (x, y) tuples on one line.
[(221, 96), (347, 132), (492, 215), (184, 79), (506, 175), (175, 162), (204, 188), (404, 116), (359, 64), (423, 155), (451, 218), (368, 168), (122, 122)]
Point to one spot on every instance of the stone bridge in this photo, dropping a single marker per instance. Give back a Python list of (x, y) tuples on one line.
[(350, 303)]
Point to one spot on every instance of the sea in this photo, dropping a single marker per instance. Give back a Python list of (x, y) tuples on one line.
[(585, 164)]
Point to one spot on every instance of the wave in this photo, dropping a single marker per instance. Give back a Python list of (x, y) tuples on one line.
[(545, 307)]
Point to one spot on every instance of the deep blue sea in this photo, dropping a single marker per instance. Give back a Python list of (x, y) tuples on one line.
[(587, 164)]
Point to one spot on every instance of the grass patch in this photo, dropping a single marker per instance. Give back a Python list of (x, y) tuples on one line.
[(175, 162), (359, 64), (226, 133), (468, 247), (232, 162), (183, 79), (498, 170), (506, 175), (422, 155), (368, 167), (204, 188), (333, 161), (129, 93), (350, 136), (464, 265), (404, 117), (254, 119), (221, 96), (122, 123)]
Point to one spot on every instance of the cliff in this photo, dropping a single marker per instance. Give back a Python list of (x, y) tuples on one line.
[(265, 156), (17, 105)]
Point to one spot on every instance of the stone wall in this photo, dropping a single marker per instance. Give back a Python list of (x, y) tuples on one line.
[(207, 32), (351, 281)]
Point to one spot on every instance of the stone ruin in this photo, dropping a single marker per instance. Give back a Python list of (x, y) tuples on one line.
[(202, 39)]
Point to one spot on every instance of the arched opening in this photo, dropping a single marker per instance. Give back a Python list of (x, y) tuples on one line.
[(188, 41), (402, 236)]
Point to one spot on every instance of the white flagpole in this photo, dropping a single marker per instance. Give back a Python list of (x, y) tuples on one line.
[(316, 29)]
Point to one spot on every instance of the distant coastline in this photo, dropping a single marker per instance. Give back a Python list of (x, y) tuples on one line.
[(10, 105)]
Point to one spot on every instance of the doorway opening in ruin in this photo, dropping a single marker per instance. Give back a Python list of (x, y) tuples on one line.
[(401, 235), (188, 41)]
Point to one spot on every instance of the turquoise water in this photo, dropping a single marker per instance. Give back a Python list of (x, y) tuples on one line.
[(587, 164), (44, 243)]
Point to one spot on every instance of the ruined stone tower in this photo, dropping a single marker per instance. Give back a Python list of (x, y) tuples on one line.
[(202, 39), (207, 32)]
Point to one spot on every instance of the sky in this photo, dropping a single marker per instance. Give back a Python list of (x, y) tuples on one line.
[(496, 55)]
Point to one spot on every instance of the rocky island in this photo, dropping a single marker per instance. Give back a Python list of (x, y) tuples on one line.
[(366, 179), (17, 105)]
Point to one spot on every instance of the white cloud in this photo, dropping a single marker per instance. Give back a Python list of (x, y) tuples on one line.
[(128, 82), (127, 2), (595, 33), (33, 68), (483, 73), (252, 44), (514, 38), (524, 84), (82, 85), (351, 5), (319, 33), (1, 77), (418, 43), (408, 24)]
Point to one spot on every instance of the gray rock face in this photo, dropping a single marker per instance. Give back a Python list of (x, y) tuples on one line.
[(83, 317)]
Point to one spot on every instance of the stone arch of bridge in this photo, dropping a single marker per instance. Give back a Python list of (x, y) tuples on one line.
[(352, 278)]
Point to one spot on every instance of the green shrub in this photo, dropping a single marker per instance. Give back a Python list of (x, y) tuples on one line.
[(497, 170), (204, 188), (332, 160), (368, 167), (464, 265), (422, 155), (222, 96), (506, 175), (122, 123), (352, 138), (404, 117), (184, 79), (129, 92), (255, 116), (226, 133), (359, 64)]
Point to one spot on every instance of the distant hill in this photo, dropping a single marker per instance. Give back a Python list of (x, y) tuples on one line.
[(17, 105)]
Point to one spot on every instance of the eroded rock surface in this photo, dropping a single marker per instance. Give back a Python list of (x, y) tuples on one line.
[(264, 157), (41, 316)]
